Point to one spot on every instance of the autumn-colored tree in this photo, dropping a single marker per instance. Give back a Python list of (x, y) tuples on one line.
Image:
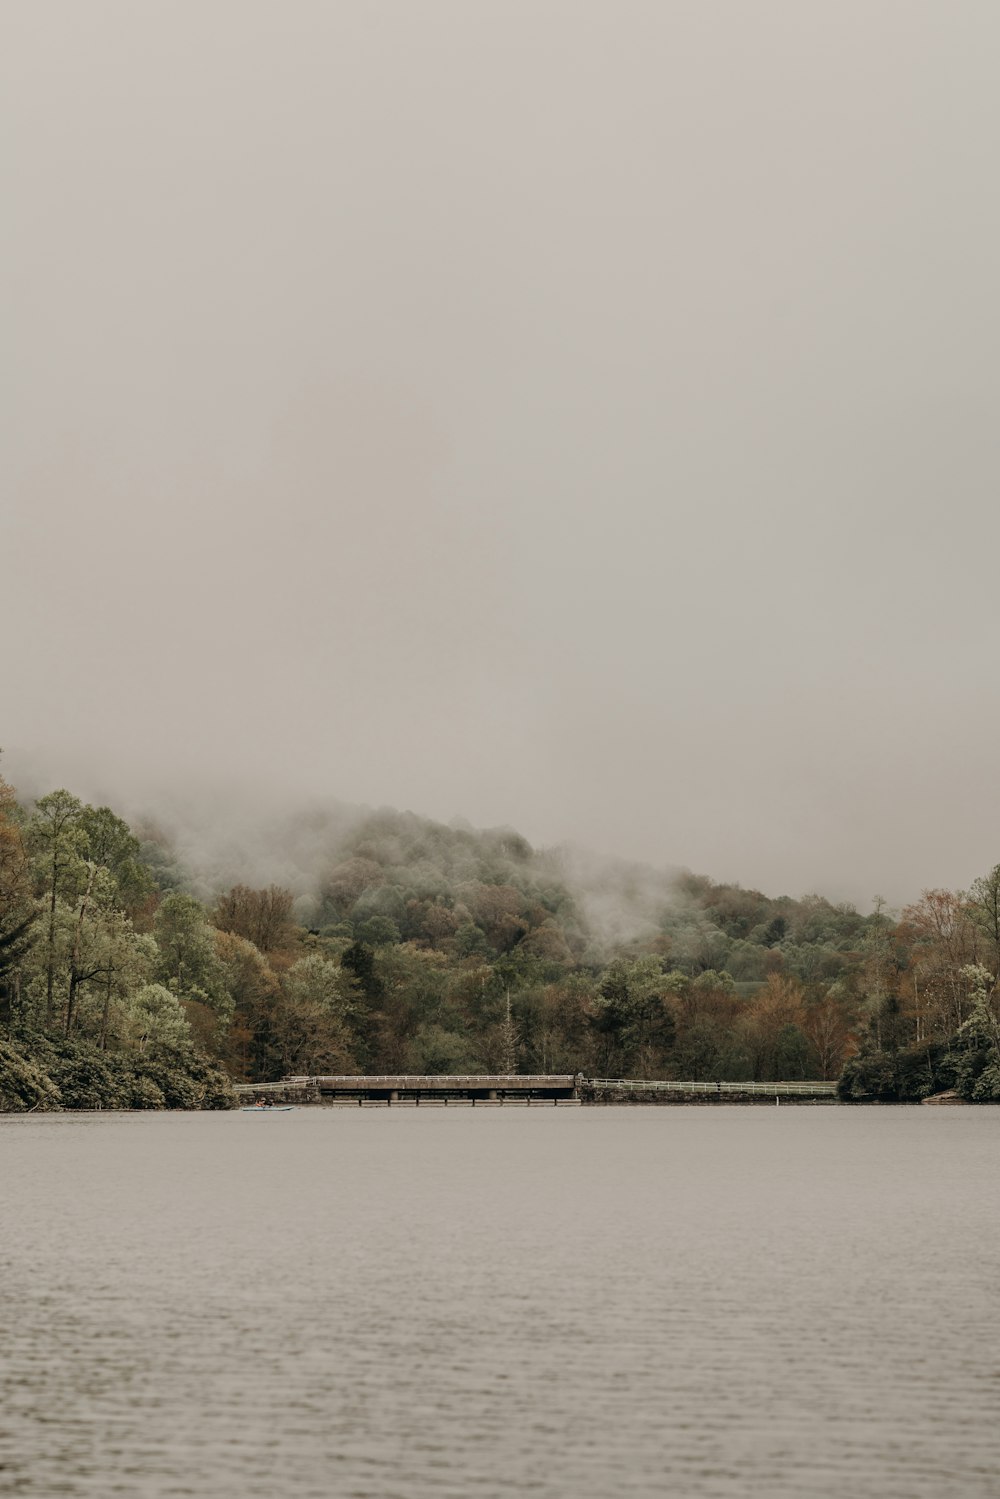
[(942, 938), (548, 942), (773, 1031), (247, 1031), (432, 921), (707, 1009), (497, 909), (828, 1024), (263, 917)]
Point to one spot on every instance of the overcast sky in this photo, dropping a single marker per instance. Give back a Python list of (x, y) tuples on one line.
[(564, 413)]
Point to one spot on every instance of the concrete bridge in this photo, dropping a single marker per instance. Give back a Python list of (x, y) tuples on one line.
[(489, 1090), (405, 1089)]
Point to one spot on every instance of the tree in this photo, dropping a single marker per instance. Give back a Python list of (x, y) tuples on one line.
[(80, 970), (128, 960), (345, 884), (359, 960), (563, 1035), (772, 1031), (17, 908), (470, 940), (984, 909), (942, 939), (247, 1029), (57, 839), (435, 1050), (498, 910), (108, 841), (263, 917), (156, 1020), (707, 1009), (507, 1041), (107, 960), (633, 1014), (312, 1031), (187, 961), (827, 1025), (705, 1051), (377, 931), (877, 967), (975, 1047)]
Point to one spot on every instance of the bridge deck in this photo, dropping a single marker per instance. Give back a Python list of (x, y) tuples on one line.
[(467, 1083), (499, 1088)]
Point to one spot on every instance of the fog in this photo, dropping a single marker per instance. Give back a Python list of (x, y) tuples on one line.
[(563, 414)]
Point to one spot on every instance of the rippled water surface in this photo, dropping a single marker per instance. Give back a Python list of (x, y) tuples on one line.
[(580, 1302)]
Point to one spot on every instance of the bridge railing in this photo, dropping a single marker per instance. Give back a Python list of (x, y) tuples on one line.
[(617, 1084), (641, 1085), (439, 1080)]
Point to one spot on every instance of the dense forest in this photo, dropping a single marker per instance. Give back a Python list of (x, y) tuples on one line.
[(410, 946)]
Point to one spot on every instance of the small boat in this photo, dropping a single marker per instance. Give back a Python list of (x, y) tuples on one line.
[(267, 1108)]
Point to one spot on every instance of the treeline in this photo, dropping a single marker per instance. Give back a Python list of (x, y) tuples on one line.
[(425, 948)]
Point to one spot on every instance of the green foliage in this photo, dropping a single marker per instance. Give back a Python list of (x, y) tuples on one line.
[(359, 960), (986, 1088), (88, 1080), (634, 1017), (436, 1050), (898, 1077), (156, 1019), (707, 1051), (144, 1093), (16, 940), (24, 1085), (377, 931), (869, 1078), (108, 841), (470, 939), (792, 1054), (55, 1072)]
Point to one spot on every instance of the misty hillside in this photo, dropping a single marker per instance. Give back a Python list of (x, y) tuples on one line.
[(395, 882), (351, 940), (394, 876), (389, 877)]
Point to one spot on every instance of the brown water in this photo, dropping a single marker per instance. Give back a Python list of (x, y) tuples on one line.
[(588, 1302)]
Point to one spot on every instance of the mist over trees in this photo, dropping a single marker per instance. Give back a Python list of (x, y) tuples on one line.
[(410, 946)]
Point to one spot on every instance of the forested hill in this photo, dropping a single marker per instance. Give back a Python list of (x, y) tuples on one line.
[(138, 967)]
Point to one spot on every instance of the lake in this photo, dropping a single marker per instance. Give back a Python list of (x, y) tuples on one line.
[(587, 1302)]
